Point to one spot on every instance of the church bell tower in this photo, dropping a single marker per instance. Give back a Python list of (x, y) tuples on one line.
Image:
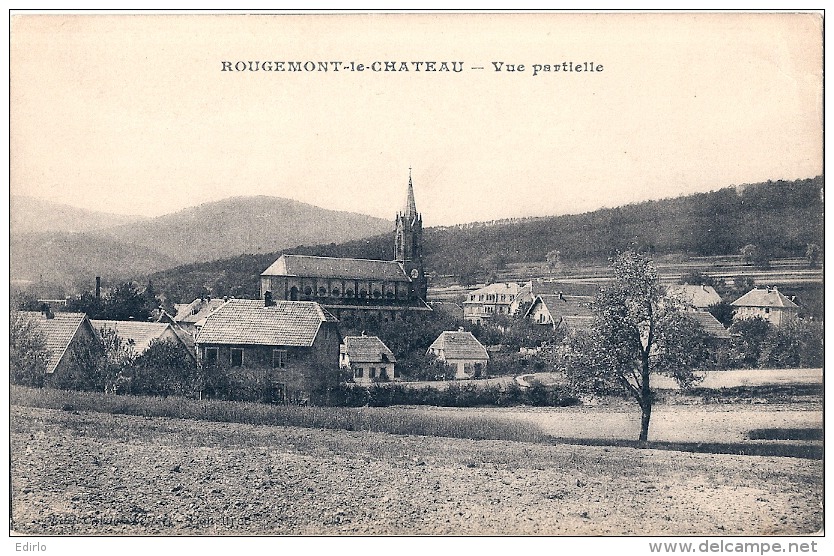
[(408, 242)]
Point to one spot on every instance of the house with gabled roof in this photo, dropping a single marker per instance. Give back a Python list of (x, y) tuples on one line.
[(768, 303), (368, 358), (461, 350), (61, 332), (139, 335), (293, 345), (573, 312), (190, 316), (699, 297)]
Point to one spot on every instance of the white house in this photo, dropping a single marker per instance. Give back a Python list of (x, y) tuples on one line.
[(769, 304), (461, 350), (368, 357)]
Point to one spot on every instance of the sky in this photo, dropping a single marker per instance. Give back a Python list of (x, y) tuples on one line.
[(133, 114)]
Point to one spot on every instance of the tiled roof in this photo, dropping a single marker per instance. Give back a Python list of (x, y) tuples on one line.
[(698, 296), (510, 288), (58, 332), (764, 298), (249, 322), (136, 333), (710, 324), (367, 349), (459, 345), (196, 310), (332, 267)]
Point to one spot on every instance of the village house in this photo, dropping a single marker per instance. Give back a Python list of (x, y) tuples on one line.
[(294, 345), (461, 350), (699, 297), (768, 303), (360, 288), (190, 316), (485, 303), (572, 312), (139, 335), (62, 332), (368, 358)]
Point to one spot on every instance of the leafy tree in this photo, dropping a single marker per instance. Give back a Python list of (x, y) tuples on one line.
[(812, 253), (723, 312), (164, 369), (749, 336), (755, 255), (554, 260), (637, 332), (28, 355)]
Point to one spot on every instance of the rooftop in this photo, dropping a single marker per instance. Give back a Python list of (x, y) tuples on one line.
[(334, 267), (769, 297), (57, 332), (459, 345), (249, 322), (367, 349)]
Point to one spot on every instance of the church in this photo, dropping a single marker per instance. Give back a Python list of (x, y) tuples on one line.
[(358, 288)]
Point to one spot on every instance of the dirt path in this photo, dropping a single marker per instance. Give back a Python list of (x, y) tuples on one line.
[(114, 474)]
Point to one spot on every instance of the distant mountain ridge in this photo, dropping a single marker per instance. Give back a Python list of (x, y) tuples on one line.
[(67, 250), (29, 214)]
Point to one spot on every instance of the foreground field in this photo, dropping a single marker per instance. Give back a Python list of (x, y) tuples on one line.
[(98, 473)]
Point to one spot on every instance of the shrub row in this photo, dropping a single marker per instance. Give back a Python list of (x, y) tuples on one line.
[(455, 395)]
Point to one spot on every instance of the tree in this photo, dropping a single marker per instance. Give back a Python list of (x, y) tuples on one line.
[(723, 312), (755, 255), (637, 332), (28, 354), (165, 369), (749, 337), (812, 253), (554, 260)]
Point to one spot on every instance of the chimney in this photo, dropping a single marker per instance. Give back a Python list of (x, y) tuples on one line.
[(98, 287), (268, 299)]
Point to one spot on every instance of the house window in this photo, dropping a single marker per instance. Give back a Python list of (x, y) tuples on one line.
[(279, 358), (541, 318), (360, 372), (767, 310), (512, 297), (279, 393), (372, 372), (237, 357), (211, 356), (383, 373)]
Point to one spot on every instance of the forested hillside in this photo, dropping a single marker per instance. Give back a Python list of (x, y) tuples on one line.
[(780, 218)]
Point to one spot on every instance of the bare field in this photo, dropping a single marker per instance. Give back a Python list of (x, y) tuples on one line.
[(98, 473)]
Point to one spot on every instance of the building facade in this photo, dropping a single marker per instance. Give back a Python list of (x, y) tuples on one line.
[(358, 288), (291, 345), (461, 350), (768, 303), (483, 304), (368, 358)]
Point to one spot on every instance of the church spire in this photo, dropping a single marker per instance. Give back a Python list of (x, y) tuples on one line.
[(410, 209)]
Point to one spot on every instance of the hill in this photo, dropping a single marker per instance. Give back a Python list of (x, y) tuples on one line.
[(244, 225), (780, 217), (68, 250), (31, 215)]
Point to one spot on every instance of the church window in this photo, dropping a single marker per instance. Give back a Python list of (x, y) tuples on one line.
[(363, 294), (389, 294), (308, 291), (322, 291), (377, 294), (335, 292), (293, 294), (349, 292)]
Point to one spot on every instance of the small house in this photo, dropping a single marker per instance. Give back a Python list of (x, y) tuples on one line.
[(698, 297), (368, 357), (139, 335), (461, 350), (572, 312), (61, 332), (768, 303)]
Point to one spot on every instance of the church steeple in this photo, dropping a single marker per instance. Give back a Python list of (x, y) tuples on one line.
[(408, 241), (410, 209)]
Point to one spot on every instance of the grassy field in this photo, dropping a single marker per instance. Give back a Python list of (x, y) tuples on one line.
[(81, 472)]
